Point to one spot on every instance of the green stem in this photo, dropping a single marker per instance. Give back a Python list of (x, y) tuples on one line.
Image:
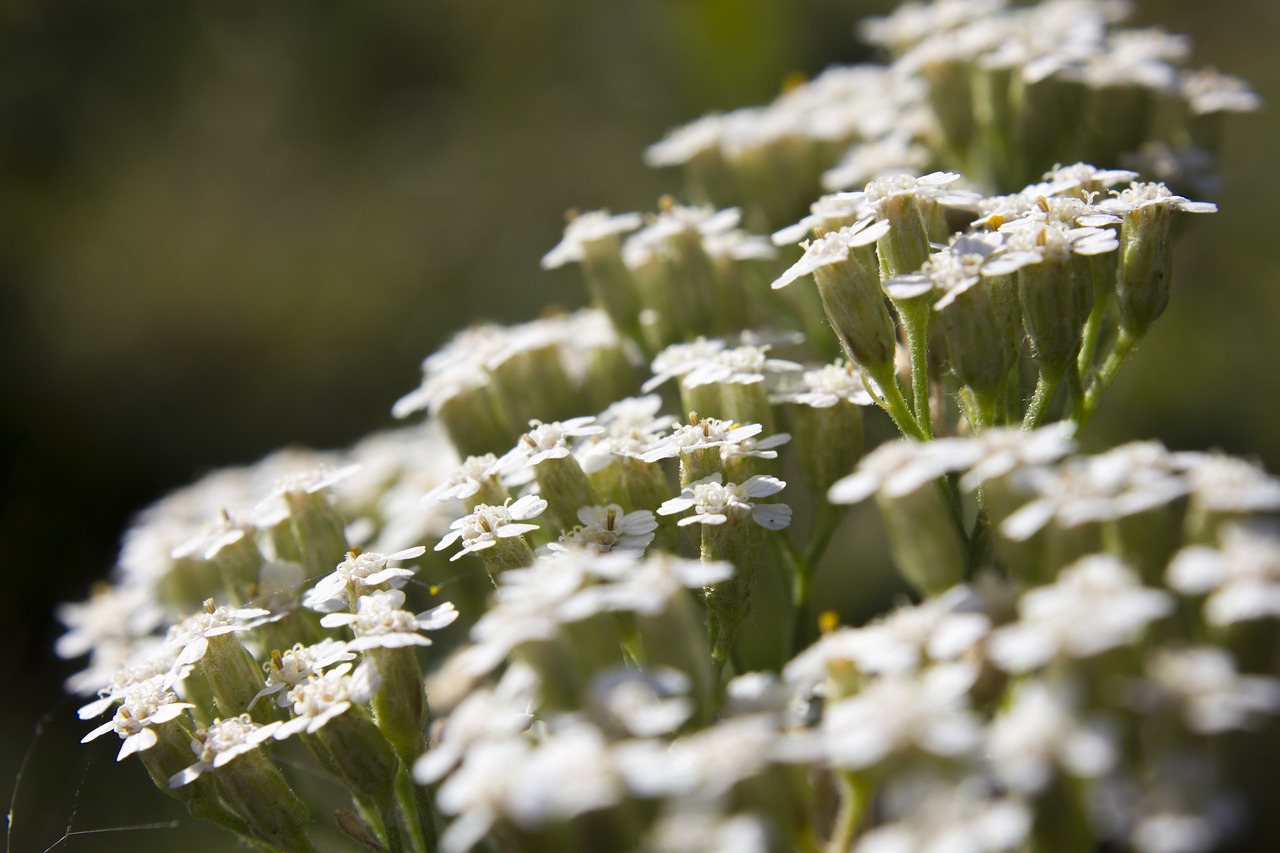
[(853, 798), (1076, 388), (1125, 342), (894, 403), (1046, 387), (1102, 272), (388, 812), (414, 822), (915, 322)]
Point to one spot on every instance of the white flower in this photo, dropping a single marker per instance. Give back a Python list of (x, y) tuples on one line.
[(937, 817), (275, 508), (706, 433), (690, 831), (357, 575), (1124, 481), (1226, 484), (897, 153), (487, 524), (1208, 91), (213, 537), (1208, 691), (631, 426), (743, 365), (608, 528), (189, 639), (487, 714), (679, 359), (827, 214), (546, 441), (667, 234), (322, 697), (702, 767), (569, 773), (1241, 578), (826, 386), (644, 704), (932, 187), (833, 248), (585, 229), (940, 629), (1032, 240), (626, 583), (898, 468), (466, 480), (142, 705), (288, 669), (130, 676), (1005, 449), (222, 742), (1096, 604), (927, 711), (1139, 196), (380, 621), (1040, 730), (715, 503), (121, 613)]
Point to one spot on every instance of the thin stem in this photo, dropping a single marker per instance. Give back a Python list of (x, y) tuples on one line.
[(1089, 341), (894, 403), (915, 322), (1124, 345), (1046, 387), (853, 796), (420, 827), (1076, 388), (385, 801)]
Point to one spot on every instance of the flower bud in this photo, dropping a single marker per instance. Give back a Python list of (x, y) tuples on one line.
[(1056, 296), (980, 326), (855, 307), (400, 705), (924, 538), (475, 421)]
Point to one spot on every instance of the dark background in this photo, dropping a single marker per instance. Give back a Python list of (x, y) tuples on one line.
[(230, 226)]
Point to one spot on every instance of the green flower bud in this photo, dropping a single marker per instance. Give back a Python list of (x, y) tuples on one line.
[(979, 328), (926, 541), (1146, 252), (1056, 295), (400, 705), (531, 381), (845, 268), (475, 421), (233, 675)]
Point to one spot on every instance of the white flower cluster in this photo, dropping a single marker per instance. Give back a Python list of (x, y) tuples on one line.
[(647, 644)]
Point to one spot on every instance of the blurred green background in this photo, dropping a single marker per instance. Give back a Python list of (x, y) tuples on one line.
[(226, 227)]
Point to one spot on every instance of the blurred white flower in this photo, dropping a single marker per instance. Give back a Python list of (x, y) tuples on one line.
[(1096, 604)]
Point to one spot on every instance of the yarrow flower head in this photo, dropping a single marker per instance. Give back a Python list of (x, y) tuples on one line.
[(323, 697), (143, 705), (546, 441), (190, 638), (608, 528), (381, 622), (288, 669), (1096, 604), (586, 229), (484, 527), (357, 575), (715, 502), (223, 742)]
